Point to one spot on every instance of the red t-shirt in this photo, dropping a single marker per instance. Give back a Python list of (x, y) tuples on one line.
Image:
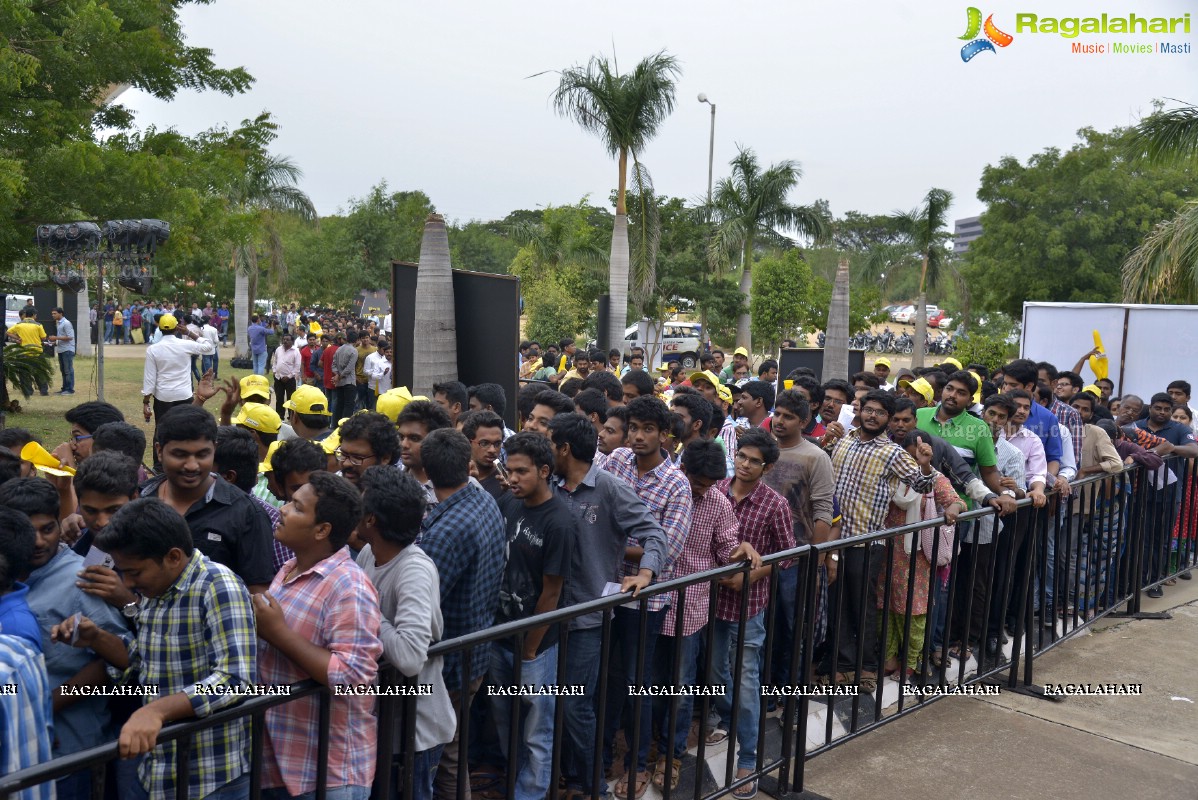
[(326, 364), (306, 360)]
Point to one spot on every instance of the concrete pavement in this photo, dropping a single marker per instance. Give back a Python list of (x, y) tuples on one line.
[(1017, 747)]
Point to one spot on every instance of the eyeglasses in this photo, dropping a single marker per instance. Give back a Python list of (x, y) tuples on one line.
[(874, 412), (752, 462), (487, 444), (81, 437), (352, 459)]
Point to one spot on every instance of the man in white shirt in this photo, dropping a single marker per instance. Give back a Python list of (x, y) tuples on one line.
[(377, 367), (212, 334), (288, 371), (167, 380)]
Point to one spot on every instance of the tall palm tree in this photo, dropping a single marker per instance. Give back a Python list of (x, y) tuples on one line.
[(435, 360), (1165, 265), (625, 111), (266, 188), (751, 207), (926, 229)]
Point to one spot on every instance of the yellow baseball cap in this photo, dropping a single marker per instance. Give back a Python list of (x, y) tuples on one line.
[(724, 392), (167, 322), (255, 385), (882, 362), (977, 395), (314, 329), (261, 418), (392, 402), (706, 375), (265, 466), (921, 386), (308, 400), (741, 351), (950, 360), (1094, 390)]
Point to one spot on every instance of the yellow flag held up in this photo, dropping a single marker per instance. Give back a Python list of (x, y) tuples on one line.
[(1098, 362)]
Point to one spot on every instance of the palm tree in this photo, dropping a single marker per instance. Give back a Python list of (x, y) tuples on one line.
[(624, 111), (836, 344), (751, 207), (265, 189), (1165, 265), (436, 358), (926, 229)]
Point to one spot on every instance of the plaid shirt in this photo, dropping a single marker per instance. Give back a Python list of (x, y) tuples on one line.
[(334, 606), (199, 632), (466, 538), (1068, 416), (668, 494), (280, 553), (765, 522), (714, 534), (25, 715), (867, 476)]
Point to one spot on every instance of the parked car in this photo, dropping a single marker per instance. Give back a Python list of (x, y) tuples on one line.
[(681, 341), (903, 314), (940, 319)]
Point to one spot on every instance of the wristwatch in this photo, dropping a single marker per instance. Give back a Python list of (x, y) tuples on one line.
[(834, 556), (1009, 492), (131, 610)]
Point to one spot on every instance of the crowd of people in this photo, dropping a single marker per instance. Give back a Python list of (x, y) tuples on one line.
[(332, 525)]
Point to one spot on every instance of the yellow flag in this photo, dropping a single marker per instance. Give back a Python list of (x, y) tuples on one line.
[(1098, 363)]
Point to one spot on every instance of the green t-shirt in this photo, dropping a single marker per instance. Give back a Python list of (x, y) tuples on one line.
[(966, 433)]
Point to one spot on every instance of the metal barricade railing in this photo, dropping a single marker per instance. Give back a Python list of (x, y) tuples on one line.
[(1110, 540)]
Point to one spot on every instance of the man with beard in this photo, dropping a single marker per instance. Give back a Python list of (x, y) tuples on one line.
[(368, 439), (225, 523), (417, 420)]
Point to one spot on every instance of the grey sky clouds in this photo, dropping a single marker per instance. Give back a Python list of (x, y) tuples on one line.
[(871, 97)]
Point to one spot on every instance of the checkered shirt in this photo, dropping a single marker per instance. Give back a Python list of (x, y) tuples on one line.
[(765, 522), (714, 534), (668, 494), (466, 538), (1068, 416), (867, 476), (334, 606), (280, 553), (200, 631)]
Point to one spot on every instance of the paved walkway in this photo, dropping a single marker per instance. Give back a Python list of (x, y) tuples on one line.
[(1017, 747)]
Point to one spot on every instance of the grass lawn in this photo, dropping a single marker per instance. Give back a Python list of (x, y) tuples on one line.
[(42, 416)]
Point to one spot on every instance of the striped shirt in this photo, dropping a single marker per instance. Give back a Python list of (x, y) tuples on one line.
[(714, 534), (765, 522), (198, 633), (1010, 465), (25, 718), (868, 473), (668, 494), (334, 606)]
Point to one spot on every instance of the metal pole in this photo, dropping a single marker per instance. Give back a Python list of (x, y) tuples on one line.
[(710, 152), (100, 330)]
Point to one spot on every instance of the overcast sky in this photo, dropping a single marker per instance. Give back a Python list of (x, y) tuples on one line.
[(872, 98)]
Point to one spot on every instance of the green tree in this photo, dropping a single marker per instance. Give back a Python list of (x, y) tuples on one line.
[(780, 291), (482, 247), (750, 208), (926, 232), (1061, 226), (1164, 268), (625, 111), (382, 227)]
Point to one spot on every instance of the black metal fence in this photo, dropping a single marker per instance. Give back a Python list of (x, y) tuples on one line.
[(1001, 598)]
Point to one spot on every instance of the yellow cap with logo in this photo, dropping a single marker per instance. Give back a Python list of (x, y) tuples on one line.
[(258, 417)]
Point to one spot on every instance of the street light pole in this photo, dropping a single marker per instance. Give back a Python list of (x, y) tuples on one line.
[(706, 338), (710, 145)]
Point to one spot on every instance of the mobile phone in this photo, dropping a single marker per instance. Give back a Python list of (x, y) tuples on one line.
[(502, 470)]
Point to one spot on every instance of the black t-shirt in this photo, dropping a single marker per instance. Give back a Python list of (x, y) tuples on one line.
[(540, 541), (229, 528), (493, 487)]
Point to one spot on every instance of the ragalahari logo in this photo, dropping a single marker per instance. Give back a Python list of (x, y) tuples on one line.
[(993, 35)]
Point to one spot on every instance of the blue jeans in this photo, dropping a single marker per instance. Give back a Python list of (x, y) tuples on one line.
[(583, 650), (211, 362), (76, 786), (332, 793), (535, 759), (664, 673), (107, 331), (259, 363), (626, 626), (236, 789), (66, 365), (749, 705)]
